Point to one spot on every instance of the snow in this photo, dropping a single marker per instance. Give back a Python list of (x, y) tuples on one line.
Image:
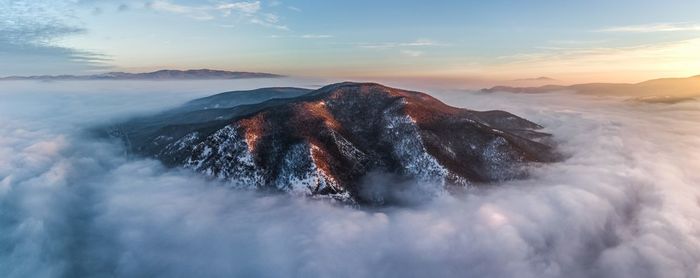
[(347, 148), (298, 173), (403, 134), (225, 155), (182, 143), (499, 161)]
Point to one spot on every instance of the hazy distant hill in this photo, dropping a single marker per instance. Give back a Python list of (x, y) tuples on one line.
[(541, 78), (156, 75), (664, 87)]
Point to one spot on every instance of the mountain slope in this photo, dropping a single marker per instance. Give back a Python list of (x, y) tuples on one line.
[(147, 135), (325, 142)]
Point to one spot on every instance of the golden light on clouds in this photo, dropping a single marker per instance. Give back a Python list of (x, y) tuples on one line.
[(623, 64), (567, 64)]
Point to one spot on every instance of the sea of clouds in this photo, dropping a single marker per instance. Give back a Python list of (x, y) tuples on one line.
[(626, 203)]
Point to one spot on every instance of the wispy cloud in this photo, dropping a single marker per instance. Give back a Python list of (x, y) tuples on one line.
[(387, 45), (269, 22), (305, 36), (576, 42), (412, 53), (206, 12), (122, 7), (653, 28), (199, 12), (243, 7), (415, 48), (29, 35), (316, 36), (248, 11)]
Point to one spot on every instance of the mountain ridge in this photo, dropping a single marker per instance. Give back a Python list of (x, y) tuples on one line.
[(165, 74), (541, 78), (682, 87)]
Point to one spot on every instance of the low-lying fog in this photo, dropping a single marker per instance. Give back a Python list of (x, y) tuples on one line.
[(625, 204)]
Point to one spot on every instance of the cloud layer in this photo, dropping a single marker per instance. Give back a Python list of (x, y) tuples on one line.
[(624, 204)]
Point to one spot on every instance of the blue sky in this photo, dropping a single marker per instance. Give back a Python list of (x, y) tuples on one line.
[(570, 40)]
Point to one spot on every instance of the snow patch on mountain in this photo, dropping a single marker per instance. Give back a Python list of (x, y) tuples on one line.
[(225, 155), (403, 135), (179, 145), (499, 160), (299, 173)]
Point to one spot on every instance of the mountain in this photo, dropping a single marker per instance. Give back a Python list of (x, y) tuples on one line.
[(237, 98), (145, 133), (659, 88), (327, 141), (661, 99), (156, 75), (541, 78)]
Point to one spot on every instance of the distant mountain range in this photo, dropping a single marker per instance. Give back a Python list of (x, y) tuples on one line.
[(198, 74), (541, 78), (657, 90)]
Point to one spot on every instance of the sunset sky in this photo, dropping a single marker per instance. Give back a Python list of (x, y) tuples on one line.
[(575, 41)]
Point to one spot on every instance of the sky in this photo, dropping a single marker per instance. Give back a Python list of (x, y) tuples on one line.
[(573, 41)]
